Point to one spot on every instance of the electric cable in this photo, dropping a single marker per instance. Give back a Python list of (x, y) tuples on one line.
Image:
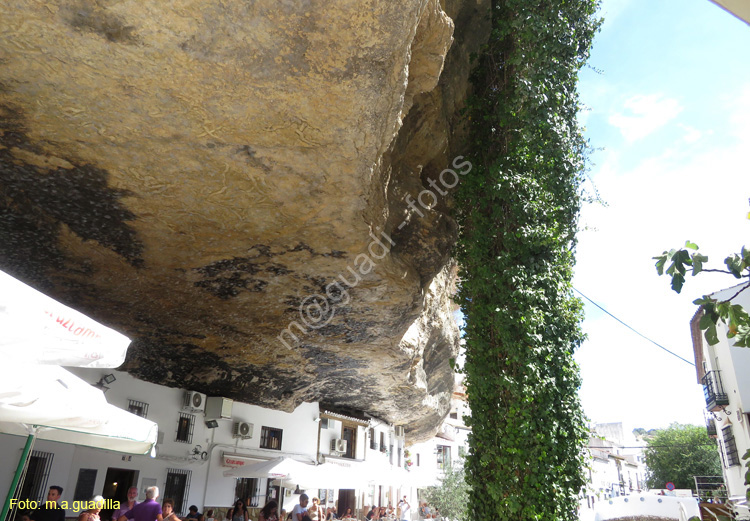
[(634, 330)]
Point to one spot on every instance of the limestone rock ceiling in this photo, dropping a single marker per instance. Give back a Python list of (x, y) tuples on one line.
[(210, 178)]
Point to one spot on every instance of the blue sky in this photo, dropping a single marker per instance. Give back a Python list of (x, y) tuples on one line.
[(669, 117)]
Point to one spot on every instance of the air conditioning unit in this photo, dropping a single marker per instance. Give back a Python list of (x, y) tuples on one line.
[(194, 401), (400, 431), (338, 445), (243, 430), (218, 408)]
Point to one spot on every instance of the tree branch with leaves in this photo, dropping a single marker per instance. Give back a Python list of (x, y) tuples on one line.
[(677, 262)]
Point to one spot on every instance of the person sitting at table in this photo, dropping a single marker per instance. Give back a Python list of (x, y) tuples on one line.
[(193, 514), (167, 511), (92, 514), (300, 510), (348, 514), (238, 512), (372, 513), (331, 514), (269, 512)]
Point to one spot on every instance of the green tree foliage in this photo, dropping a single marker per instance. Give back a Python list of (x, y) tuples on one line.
[(451, 497), (676, 262), (678, 453), (518, 212)]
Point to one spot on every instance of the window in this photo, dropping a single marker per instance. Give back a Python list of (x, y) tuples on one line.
[(270, 438), (138, 408), (373, 443), (85, 485), (454, 415), (730, 447), (382, 442), (184, 432), (417, 459), (176, 488), (350, 435), (400, 463), (443, 456), (248, 490), (37, 473)]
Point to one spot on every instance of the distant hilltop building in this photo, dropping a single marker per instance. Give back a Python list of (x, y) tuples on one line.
[(616, 464)]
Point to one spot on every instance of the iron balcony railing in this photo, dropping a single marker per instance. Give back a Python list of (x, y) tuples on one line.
[(713, 390), (711, 428)]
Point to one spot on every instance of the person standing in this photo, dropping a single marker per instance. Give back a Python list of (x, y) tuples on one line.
[(149, 510), (51, 511), (132, 496), (405, 509)]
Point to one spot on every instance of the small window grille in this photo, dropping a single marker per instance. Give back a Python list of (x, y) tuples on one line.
[(270, 438), (85, 485), (37, 473), (177, 488), (730, 446), (138, 408), (185, 426)]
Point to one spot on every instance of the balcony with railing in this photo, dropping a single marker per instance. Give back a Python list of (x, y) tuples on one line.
[(711, 428), (713, 390)]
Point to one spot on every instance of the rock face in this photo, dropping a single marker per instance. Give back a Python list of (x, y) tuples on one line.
[(229, 184)]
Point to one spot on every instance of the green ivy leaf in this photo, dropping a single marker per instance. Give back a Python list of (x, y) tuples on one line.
[(677, 281)]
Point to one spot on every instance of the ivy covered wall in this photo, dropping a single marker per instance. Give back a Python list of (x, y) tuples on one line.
[(518, 211)]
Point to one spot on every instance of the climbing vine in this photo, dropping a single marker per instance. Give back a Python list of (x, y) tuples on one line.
[(518, 216)]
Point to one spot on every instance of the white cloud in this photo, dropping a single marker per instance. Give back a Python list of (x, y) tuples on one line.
[(695, 191), (692, 134), (644, 115)]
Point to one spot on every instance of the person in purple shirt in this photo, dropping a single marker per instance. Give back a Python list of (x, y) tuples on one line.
[(149, 510), (132, 496)]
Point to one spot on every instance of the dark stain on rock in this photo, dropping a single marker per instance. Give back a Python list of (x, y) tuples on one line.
[(96, 19), (247, 153), (36, 201), (278, 269), (229, 277), (186, 365), (302, 246)]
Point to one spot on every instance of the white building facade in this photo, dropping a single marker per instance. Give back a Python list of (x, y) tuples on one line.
[(201, 437), (724, 372), (615, 464)]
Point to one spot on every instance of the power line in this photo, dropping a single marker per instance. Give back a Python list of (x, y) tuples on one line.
[(713, 444), (634, 330)]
